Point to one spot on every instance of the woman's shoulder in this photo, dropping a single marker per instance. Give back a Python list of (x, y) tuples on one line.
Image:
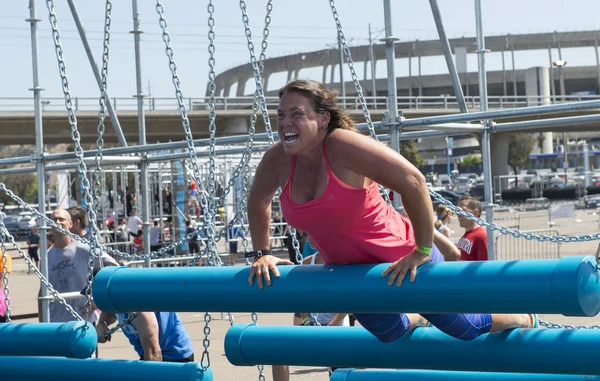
[(347, 142), (275, 155)]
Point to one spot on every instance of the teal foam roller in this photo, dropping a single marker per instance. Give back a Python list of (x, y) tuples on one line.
[(70, 339), (63, 369), (569, 286), (436, 375), (553, 351)]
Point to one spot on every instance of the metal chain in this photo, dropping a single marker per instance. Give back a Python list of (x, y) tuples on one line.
[(99, 146), (256, 71), (253, 119), (212, 129), (102, 102), (209, 218), (5, 288), (5, 234), (551, 325), (515, 233), (109, 250), (192, 262), (78, 150), (259, 96), (357, 86), (247, 155), (261, 368)]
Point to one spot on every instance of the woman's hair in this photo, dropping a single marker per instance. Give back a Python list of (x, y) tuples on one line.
[(441, 212), (322, 99)]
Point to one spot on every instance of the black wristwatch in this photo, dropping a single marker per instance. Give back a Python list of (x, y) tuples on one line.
[(257, 253)]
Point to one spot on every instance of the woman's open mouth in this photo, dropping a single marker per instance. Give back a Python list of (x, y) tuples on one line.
[(290, 137)]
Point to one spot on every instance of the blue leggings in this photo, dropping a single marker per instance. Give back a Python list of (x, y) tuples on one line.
[(389, 327)]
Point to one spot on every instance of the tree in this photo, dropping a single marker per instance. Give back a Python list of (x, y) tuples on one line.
[(470, 161), (408, 149), (23, 185), (519, 149)]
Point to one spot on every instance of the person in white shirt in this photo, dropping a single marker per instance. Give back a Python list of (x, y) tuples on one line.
[(155, 236), (134, 223), (68, 269)]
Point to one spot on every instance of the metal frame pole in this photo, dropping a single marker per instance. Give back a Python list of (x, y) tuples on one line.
[(394, 118), (551, 66), (39, 157), (142, 131), (373, 73), (437, 17), (88, 51), (486, 135), (342, 83)]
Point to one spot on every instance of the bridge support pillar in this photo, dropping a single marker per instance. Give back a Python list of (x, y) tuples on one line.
[(235, 126), (537, 89)]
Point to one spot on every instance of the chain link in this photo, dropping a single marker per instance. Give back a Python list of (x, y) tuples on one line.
[(212, 207), (515, 233), (256, 69), (202, 194), (261, 368), (78, 150), (357, 86), (5, 288), (551, 325), (109, 250), (259, 96)]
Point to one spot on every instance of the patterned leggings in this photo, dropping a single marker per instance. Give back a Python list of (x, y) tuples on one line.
[(389, 327)]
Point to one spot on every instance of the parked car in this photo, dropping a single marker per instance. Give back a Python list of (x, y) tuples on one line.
[(449, 195), (12, 225)]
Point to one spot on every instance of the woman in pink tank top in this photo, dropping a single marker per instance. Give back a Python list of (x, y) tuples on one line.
[(329, 175)]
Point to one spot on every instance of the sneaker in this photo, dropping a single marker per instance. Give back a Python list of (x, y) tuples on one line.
[(535, 319)]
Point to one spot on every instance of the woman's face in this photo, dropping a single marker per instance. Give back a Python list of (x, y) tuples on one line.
[(300, 127), (448, 218)]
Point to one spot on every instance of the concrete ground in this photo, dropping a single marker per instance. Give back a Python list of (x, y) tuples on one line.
[(24, 287)]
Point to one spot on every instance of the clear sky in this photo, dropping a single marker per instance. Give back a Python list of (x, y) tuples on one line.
[(296, 26)]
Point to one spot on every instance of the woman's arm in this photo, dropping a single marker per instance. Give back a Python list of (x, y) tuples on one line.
[(447, 232), (264, 186), (446, 247)]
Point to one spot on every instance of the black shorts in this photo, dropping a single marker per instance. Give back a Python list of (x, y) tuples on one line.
[(33, 253), (194, 247), (233, 247)]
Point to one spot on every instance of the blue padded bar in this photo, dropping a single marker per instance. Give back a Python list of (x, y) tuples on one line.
[(434, 375), (62, 369), (568, 286), (70, 339), (553, 351)]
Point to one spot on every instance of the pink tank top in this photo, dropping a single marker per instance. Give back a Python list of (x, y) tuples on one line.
[(349, 225)]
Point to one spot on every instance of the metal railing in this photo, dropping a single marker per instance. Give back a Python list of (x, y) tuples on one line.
[(25, 104), (511, 248)]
